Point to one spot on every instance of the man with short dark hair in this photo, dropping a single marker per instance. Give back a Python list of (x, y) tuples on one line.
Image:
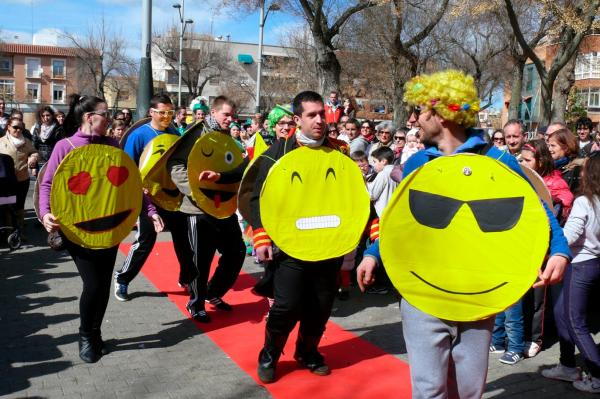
[(207, 233), (584, 128), (357, 141), (304, 291), (333, 108), (161, 112)]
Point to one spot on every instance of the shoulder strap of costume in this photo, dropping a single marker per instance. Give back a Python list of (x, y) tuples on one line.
[(70, 142)]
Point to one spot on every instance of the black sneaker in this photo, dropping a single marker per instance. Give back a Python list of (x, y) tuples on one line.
[(219, 303), (121, 292), (199, 315)]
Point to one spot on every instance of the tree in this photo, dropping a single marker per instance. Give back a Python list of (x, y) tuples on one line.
[(203, 59), (101, 53), (398, 33), (574, 19), (325, 19), (575, 107)]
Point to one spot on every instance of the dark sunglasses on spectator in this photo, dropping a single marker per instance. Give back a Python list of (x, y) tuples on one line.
[(399, 138), (17, 127), (498, 139)]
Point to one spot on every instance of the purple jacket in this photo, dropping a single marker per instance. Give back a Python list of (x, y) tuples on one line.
[(61, 149)]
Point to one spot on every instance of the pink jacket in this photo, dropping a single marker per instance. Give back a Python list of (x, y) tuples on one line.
[(559, 189)]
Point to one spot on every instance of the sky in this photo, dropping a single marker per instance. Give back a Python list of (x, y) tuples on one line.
[(45, 20)]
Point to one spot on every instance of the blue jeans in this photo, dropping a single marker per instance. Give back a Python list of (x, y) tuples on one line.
[(580, 281), (509, 324)]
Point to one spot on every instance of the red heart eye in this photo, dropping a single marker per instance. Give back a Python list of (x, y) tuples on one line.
[(80, 183), (117, 175)]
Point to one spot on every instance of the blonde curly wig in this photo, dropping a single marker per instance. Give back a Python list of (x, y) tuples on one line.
[(451, 93)]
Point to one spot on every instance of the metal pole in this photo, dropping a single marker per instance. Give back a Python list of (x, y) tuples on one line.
[(145, 76), (259, 61), (181, 16)]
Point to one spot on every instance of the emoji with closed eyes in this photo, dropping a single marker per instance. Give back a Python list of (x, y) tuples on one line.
[(463, 236), (155, 177), (314, 204), (96, 196), (217, 152)]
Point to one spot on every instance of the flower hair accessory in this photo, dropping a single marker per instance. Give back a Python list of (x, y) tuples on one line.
[(454, 107)]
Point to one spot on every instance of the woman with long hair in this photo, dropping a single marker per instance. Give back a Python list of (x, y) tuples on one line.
[(86, 123), (581, 280), (46, 133), (564, 149)]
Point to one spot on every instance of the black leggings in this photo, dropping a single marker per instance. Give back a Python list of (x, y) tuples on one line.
[(22, 189), (95, 267)]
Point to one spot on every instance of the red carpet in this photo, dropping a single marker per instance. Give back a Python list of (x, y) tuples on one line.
[(359, 369)]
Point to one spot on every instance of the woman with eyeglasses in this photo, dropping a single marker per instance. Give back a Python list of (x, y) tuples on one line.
[(281, 121), (25, 156), (498, 139), (86, 123), (46, 132), (399, 140)]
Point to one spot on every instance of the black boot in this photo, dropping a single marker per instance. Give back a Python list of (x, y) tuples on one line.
[(88, 352), (308, 356), (99, 343), (269, 355)]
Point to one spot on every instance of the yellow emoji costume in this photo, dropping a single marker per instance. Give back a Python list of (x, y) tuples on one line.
[(219, 153), (155, 177), (315, 196), (96, 196), (474, 235)]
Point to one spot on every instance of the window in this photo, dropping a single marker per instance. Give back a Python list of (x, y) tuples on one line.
[(58, 94), (7, 89), (529, 78), (123, 95), (5, 64), (33, 68), (58, 69), (587, 66), (173, 77), (33, 92), (594, 101)]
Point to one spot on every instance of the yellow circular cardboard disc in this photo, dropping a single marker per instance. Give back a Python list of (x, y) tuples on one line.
[(463, 237), (155, 176), (217, 152), (96, 196), (314, 204)]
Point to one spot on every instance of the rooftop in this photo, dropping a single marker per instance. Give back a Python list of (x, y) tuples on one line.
[(33, 49)]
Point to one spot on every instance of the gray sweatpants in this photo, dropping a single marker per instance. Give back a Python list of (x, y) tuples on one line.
[(447, 359)]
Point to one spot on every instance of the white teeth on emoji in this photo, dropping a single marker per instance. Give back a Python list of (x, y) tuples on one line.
[(318, 222)]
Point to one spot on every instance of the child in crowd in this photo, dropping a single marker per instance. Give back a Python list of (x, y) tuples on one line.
[(412, 145), (362, 161), (382, 188), (582, 279)]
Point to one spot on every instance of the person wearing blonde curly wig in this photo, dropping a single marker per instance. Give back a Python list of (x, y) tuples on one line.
[(449, 358)]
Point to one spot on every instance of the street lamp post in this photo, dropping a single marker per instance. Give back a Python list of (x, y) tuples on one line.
[(181, 9), (263, 17)]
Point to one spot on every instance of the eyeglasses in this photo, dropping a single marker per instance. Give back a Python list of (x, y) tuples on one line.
[(163, 114), (288, 124), (498, 138), (365, 127), (16, 127), (104, 114), (399, 138), (416, 110)]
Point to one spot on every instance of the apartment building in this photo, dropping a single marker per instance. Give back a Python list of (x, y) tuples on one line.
[(31, 75)]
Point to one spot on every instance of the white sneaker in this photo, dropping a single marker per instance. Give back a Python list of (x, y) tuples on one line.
[(532, 349)]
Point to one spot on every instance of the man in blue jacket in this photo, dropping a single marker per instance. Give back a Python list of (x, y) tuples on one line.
[(446, 109)]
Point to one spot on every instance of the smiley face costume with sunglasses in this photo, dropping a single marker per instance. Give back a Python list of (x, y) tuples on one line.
[(477, 234)]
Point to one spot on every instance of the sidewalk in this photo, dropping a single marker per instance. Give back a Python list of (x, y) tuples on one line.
[(157, 351)]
